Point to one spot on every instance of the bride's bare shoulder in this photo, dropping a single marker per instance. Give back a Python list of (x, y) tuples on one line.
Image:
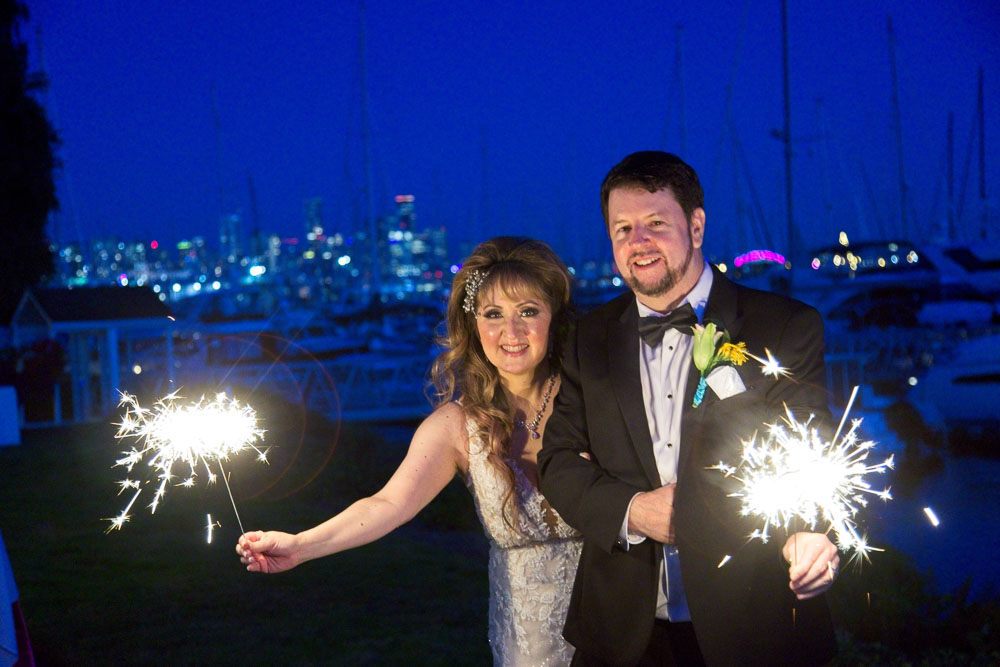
[(446, 425)]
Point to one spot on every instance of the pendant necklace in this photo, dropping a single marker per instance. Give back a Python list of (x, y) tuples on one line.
[(532, 426)]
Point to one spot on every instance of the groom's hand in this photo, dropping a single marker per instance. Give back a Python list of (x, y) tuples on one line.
[(652, 514), (814, 564)]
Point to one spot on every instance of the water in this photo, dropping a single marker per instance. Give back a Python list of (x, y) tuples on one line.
[(965, 496)]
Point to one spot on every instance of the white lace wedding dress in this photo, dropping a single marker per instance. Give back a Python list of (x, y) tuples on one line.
[(531, 573)]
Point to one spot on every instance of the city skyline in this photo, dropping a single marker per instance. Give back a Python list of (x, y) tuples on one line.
[(505, 120)]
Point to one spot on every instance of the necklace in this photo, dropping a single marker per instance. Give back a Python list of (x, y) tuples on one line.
[(532, 426)]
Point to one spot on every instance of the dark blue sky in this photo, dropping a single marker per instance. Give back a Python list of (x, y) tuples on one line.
[(504, 117)]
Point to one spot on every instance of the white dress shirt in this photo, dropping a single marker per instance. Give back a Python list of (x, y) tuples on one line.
[(663, 371)]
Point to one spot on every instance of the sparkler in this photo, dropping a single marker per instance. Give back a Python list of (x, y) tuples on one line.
[(194, 434), (792, 472), (770, 366)]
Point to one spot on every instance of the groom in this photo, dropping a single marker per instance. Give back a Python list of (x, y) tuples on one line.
[(667, 574)]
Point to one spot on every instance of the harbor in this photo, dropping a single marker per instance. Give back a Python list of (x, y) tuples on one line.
[(253, 216)]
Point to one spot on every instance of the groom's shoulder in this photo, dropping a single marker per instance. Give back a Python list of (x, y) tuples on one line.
[(610, 310), (764, 301)]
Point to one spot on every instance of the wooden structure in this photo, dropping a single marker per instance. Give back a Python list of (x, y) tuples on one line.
[(96, 326)]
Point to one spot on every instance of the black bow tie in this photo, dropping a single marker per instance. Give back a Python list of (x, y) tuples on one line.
[(651, 328)]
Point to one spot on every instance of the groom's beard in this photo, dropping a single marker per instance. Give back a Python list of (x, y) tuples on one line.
[(670, 278)]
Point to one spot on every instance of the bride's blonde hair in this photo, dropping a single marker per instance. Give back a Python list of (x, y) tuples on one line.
[(513, 265)]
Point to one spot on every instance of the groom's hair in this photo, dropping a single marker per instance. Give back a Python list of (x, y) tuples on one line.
[(654, 171)]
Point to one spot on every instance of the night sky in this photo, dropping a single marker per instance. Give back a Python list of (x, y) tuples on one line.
[(504, 117)]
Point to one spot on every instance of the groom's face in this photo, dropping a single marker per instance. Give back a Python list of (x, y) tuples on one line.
[(656, 247)]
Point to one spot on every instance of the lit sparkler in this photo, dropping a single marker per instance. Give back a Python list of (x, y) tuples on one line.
[(194, 434), (792, 472), (770, 366)]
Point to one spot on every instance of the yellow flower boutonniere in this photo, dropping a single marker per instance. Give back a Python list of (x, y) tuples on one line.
[(713, 347)]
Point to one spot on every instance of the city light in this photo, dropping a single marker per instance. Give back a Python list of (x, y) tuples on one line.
[(330, 265), (758, 256)]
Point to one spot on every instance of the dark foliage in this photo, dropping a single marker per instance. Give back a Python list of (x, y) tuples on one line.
[(975, 440), (923, 446), (887, 614), (27, 163), (33, 370)]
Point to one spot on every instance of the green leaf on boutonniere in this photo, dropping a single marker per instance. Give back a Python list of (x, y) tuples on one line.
[(707, 353)]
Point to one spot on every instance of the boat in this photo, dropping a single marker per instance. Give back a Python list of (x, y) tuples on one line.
[(961, 390)]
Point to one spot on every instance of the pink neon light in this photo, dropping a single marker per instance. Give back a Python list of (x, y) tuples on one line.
[(758, 256)]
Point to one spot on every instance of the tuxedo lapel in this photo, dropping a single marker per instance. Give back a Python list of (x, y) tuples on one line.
[(722, 308), (623, 362)]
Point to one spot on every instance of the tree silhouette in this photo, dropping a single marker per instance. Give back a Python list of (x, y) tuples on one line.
[(27, 162)]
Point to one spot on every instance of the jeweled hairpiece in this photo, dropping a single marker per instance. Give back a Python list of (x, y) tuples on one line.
[(472, 286)]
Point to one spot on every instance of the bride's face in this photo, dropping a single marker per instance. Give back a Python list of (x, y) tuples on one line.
[(514, 331)]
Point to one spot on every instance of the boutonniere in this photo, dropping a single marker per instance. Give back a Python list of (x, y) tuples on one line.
[(712, 348)]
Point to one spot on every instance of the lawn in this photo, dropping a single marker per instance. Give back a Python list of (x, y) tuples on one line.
[(156, 592)]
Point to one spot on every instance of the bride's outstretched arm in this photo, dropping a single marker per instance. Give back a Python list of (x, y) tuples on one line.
[(436, 453)]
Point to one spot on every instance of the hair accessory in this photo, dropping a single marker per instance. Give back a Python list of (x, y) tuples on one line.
[(472, 286)]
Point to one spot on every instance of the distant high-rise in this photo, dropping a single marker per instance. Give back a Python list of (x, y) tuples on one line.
[(229, 235), (314, 215), (414, 261)]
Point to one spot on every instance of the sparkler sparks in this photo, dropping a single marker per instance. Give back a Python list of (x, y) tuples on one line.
[(194, 434), (932, 517), (770, 366), (792, 472), (211, 525)]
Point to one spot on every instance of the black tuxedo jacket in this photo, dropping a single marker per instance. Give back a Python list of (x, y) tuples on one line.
[(743, 611)]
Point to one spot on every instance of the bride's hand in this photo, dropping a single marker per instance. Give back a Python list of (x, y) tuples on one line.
[(268, 552)]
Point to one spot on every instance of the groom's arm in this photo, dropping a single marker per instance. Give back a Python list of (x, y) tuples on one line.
[(585, 495)]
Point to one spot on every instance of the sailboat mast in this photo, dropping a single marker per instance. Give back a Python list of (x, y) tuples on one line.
[(372, 224), (898, 127), (982, 159), (217, 126), (787, 136), (951, 176), (256, 247), (679, 68)]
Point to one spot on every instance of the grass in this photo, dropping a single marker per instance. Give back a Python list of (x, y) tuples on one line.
[(157, 593)]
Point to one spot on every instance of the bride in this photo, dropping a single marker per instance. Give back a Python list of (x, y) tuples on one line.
[(494, 382)]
